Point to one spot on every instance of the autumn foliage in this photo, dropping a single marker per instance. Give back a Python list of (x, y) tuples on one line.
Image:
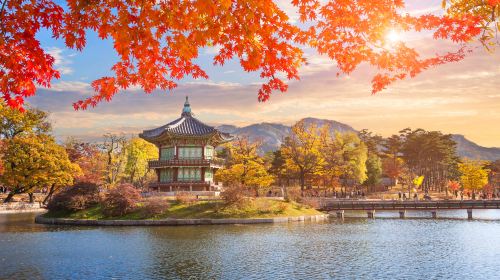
[(121, 200), (78, 197), (158, 42)]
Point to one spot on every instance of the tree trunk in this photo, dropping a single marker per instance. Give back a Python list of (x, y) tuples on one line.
[(302, 182), (9, 197), (31, 196), (49, 195)]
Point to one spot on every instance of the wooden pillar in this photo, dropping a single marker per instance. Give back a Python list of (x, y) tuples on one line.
[(402, 214), (469, 214), (176, 152), (203, 152), (434, 214), (340, 214), (370, 214)]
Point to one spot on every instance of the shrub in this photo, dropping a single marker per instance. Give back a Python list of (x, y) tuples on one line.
[(282, 207), (80, 196), (233, 195), (121, 200), (185, 197), (154, 206)]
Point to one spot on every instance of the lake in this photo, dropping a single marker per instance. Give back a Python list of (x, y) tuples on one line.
[(450, 247)]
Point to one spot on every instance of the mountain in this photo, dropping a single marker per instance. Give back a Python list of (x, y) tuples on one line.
[(272, 135), (334, 125), (469, 149)]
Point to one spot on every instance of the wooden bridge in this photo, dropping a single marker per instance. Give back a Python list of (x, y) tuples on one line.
[(328, 204)]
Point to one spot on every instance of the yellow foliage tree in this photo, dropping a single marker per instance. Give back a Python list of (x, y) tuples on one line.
[(35, 162), (473, 175), (138, 153), (301, 151), (244, 166), (345, 155)]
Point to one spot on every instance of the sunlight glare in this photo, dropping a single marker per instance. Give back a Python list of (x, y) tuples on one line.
[(393, 36)]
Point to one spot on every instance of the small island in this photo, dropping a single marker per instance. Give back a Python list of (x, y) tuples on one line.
[(83, 205), (163, 211)]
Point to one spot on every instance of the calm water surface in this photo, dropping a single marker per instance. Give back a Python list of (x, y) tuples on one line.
[(385, 248)]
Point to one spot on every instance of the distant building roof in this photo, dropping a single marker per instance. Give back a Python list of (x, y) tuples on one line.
[(186, 125)]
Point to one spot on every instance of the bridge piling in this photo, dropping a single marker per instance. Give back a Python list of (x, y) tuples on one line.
[(371, 214), (402, 214), (340, 214), (434, 214), (469, 214)]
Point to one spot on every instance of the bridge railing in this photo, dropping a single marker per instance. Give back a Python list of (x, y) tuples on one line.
[(333, 204)]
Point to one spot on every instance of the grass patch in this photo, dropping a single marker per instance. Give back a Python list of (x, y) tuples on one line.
[(252, 208)]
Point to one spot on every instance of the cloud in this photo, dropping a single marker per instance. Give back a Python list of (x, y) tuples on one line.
[(62, 63), (75, 86), (457, 97)]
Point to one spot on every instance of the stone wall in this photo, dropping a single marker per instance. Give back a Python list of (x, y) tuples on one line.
[(19, 207), (176, 222)]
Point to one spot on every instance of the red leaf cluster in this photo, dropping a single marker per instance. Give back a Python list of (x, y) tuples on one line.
[(157, 41)]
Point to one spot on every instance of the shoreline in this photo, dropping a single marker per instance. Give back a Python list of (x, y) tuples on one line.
[(39, 219), (20, 207)]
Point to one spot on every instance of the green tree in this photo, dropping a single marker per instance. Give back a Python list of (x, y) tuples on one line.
[(373, 170), (392, 162), (431, 154), (35, 162), (278, 167), (473, 175)]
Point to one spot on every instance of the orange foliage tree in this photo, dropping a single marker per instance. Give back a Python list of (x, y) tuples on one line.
[(157, 41)]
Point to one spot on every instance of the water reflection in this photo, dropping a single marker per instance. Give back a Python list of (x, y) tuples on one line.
[(452, 248)]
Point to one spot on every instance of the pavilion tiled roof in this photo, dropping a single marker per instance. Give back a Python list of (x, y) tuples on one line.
[(186, 125)]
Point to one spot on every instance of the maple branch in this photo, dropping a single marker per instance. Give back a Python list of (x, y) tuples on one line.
[(2, 9), (1, 14)]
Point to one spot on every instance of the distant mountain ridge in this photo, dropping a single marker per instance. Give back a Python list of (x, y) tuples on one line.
[(469, 149), (272, 135)]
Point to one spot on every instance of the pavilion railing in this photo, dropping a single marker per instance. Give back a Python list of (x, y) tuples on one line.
[(214, 162)]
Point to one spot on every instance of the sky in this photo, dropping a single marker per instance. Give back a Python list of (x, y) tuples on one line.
[(461, 97)]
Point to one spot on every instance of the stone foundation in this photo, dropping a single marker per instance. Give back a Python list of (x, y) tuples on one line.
[(175, 222)]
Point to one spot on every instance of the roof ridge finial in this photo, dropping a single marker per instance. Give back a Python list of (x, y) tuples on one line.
[(187, 108)]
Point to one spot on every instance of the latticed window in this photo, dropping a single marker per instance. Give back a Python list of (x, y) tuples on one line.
[(190, 152), (209, 152), (189, 174), (167, 153), (166, 175), (208, 175)]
